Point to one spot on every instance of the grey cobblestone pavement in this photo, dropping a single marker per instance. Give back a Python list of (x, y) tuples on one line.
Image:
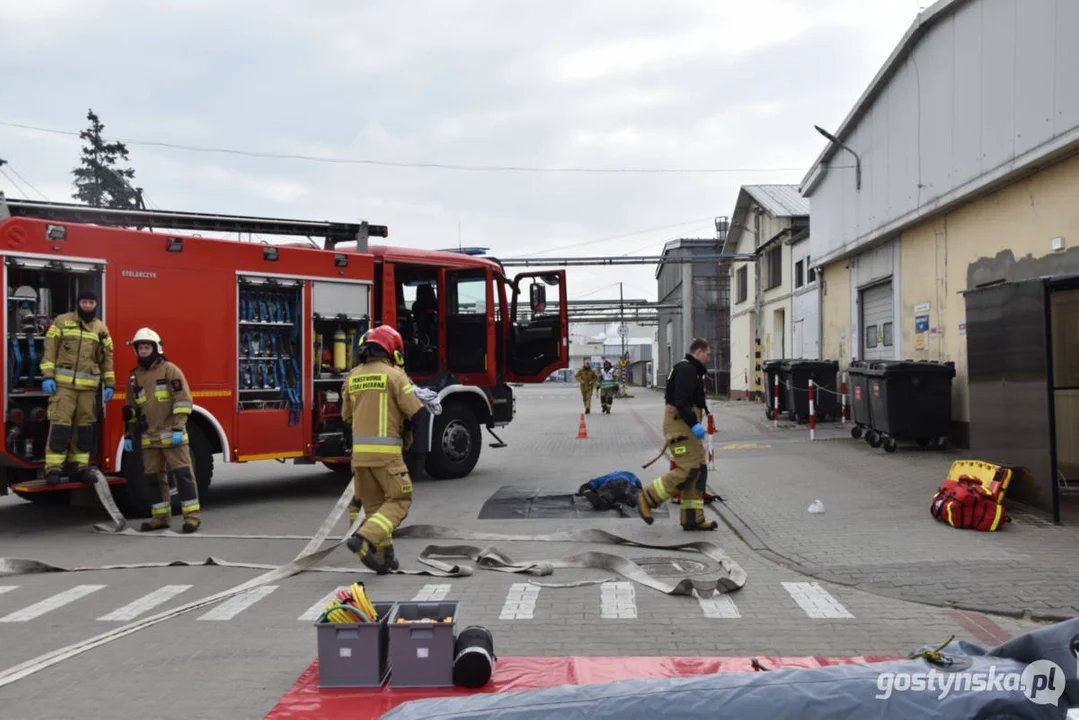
[(236, 659), (876, 533)]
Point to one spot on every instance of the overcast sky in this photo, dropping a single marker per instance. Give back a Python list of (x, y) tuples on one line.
[(708, 84)]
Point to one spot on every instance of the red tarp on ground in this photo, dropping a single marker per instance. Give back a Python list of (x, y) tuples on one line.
[(306, 701)]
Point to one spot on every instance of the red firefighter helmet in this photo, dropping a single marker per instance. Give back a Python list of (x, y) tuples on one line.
[(388, 339)]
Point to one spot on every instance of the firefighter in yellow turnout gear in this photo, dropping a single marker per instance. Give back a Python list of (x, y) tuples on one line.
[(682, 429), (377, 398), (587, 379), (156, 410), (77, 360)]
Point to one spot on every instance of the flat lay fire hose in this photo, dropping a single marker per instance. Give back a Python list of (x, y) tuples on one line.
[(729, 577)]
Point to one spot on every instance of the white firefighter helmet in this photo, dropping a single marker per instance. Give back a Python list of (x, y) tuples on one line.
[(25, 293), (146, 335)]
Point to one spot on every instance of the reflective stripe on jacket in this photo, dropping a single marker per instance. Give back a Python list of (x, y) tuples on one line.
[(376, 399), (78, 354), (163, 400)]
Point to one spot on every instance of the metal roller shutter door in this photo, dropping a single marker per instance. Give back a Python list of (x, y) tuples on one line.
[(878, 337)]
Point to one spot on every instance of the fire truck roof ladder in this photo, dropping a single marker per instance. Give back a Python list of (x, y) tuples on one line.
[(334, 233)]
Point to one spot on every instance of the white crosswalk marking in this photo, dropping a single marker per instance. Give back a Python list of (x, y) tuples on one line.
[(238, 603), (520, 602), (432, 593), (816, 601), (718, 607), (51, 603), (145, 603), (7, 588), (617, 600), (312, 613)]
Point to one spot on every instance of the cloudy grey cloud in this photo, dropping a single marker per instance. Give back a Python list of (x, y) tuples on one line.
[(635, 83)]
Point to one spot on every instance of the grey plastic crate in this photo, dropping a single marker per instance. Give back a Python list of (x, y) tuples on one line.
[(355, 654), (422, 653)]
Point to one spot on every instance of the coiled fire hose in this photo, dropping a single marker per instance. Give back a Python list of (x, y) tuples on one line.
[(350, 606)]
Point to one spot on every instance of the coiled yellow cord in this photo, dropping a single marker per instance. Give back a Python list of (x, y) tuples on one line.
[(350, 606)]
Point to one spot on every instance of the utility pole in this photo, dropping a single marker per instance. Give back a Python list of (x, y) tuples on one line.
[(622, 332)]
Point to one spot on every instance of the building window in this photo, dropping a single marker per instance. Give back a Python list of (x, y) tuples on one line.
[(887, 334), (743, 284), (871, 336), (811, 273), (799, 275), (775, 268)]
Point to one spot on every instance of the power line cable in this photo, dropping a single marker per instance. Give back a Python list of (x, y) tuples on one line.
[(13, 183), (25, 181), (610, 238), (420, 165)]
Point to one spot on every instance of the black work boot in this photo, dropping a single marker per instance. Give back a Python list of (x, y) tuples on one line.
[(150, 526), (389, 560), (367, 554), (692, 524), (644, 508), (190, 527), (52, 478)]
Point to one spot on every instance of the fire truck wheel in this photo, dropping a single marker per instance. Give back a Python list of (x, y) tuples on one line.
[(141, 493), (455, 443), (344, 469)]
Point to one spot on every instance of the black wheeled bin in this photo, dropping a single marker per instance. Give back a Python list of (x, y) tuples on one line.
[(769, 370), (910, 400), (859, 398), (823, 373)]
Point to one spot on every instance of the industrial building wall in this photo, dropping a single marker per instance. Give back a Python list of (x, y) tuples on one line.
[(990, 87), (1008, 235)]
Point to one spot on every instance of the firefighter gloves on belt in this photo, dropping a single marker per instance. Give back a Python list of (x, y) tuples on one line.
[(49, 385), (177, 437), (108, 394), (429, 398), (129, 446), (698, 431)]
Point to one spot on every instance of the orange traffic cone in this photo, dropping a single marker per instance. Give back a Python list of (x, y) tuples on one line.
[(582, 431)]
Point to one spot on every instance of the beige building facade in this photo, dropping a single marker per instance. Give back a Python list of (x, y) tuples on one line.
[(770, 222), (957, 169)]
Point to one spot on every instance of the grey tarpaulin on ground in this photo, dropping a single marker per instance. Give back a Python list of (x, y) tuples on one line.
[(1043, 662)]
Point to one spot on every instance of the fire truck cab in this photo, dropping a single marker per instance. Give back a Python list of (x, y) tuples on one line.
[(265, 334)]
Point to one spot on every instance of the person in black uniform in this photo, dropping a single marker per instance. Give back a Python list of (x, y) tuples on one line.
[(683, 432)]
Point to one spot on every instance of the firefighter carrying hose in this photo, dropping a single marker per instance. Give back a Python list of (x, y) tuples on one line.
[(587, 378), (683, 432), (377, 398), (608, 383), (156, 409), (77, 360)]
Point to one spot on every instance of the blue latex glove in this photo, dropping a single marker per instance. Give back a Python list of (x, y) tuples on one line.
[(49, 386), (177, 437), (108, 394), (698, 430), (128, 445)]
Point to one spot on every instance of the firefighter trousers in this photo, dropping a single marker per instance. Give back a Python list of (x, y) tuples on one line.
[(386, 496), (586, 396), (688, 476), (72, 414), (156, 461), (606, 399)]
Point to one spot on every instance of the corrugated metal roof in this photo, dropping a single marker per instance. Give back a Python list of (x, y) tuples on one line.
[(779, 200)]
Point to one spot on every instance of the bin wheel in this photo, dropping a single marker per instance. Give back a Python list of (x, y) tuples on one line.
[(856, 432), (889, 444), (873, 438), (923, 442), (768, 412)]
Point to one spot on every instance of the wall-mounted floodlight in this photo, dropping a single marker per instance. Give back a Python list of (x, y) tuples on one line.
[(857, 160)]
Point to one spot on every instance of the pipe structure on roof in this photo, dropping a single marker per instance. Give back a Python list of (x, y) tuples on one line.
[(627, 260)]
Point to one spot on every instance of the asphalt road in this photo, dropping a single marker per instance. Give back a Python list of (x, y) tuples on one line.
[(236, 658)]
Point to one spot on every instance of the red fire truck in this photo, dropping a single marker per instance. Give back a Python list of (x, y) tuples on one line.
[(265, 333)]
